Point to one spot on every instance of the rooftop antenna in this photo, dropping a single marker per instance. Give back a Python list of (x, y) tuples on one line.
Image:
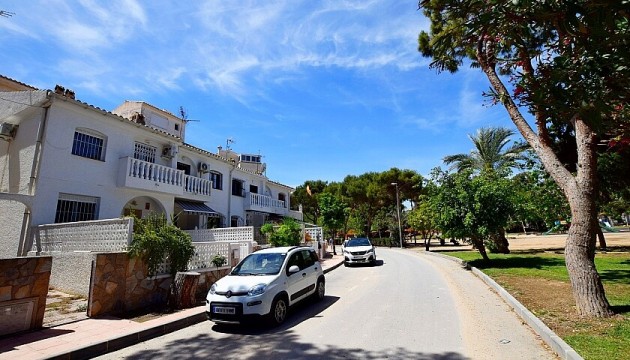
[(184, 115), (228, 142)]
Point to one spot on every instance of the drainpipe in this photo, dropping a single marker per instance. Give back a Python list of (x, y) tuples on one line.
[(229, 214), (25, 233)]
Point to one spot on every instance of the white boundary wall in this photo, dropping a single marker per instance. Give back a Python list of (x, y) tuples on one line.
[(99, 235)]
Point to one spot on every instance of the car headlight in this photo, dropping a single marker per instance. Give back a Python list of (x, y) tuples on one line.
[(213, 288), (346, 251), (257, 289), (371, 250)]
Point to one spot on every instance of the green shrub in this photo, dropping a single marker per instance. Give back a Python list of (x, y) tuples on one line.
[(289, 233), (156, 241), (218, 260)]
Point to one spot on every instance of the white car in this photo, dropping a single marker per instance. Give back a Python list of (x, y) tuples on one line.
[(359, 251), (266, 283)]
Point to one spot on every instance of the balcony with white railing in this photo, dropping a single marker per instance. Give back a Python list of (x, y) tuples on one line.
[(197, 186), (144, 175), (263, 203)]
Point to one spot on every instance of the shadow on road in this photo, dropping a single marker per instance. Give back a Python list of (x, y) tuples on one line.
[(257, 341), (378, 263), (299, 312)]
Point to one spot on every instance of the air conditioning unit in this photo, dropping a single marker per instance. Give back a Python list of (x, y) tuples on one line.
[(203, 167), (7, 131), (169, 152)]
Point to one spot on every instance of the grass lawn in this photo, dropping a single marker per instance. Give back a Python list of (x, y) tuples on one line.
[(539, 280)]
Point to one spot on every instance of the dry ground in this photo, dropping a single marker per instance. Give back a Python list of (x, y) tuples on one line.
[(62, 308)]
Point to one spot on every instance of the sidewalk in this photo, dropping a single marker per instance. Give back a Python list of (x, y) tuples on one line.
[(92, 337)]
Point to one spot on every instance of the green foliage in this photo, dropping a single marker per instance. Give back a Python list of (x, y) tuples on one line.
[(218, 260), (289, 233), (491, 152), (472, 207), (332, 212), (156, 241), (306, 195), (537, 198), (423, 218), (364, 197)]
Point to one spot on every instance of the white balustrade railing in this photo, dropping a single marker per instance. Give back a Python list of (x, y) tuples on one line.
[(265, 201), (197, 185), (154, 172)]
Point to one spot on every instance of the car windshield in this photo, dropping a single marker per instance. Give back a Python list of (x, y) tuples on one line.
[(260, 264), (358, 242)]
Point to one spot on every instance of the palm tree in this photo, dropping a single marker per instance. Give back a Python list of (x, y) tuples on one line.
[(491, 154)]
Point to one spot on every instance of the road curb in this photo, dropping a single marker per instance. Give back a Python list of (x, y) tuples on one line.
[(558, 345), (333, 267)]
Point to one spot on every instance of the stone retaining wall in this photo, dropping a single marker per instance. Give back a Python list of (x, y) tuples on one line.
[(23, 290), (119, 284)]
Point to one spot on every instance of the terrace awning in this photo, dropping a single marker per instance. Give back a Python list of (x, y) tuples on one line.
[(196, 208)]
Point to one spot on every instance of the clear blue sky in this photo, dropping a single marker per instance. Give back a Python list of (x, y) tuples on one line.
[(322, 89)]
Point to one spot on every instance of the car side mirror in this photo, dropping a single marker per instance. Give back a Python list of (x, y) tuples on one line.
[(293, 269)]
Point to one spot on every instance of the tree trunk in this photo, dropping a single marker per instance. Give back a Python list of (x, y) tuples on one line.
[(588, 290), (580, 190), (478, 243), (501, 243)]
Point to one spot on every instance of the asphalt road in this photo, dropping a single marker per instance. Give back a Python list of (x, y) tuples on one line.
[(409, 306)]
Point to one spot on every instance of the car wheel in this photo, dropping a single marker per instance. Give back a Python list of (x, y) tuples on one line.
[(320, 290), (345, 263), (373, 261), (278, 312)]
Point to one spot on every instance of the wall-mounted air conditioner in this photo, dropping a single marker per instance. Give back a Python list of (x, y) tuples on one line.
[(169, 151), (7, 131), (203, 167)]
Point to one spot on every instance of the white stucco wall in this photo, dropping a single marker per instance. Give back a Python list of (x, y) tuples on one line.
[(62, 172), (11, 213)]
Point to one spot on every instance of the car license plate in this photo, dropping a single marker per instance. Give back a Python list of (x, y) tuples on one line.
[(224, 310)]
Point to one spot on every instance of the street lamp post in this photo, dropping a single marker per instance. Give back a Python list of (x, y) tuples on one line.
[(398, 211)]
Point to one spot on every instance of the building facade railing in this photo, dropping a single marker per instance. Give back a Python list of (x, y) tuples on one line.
[(196, 185), (140, 174)]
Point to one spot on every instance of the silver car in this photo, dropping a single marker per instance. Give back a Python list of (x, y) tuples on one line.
[(265, 284), (359, 251)]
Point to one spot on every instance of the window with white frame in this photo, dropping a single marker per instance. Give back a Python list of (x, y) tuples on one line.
[(89, 144), (144, 152), (217, 180), (71, 208), (238, 187)]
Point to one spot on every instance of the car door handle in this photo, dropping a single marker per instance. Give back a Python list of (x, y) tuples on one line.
[(303, 274)]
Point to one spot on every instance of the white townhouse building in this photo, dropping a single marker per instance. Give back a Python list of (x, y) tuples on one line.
[(62, 160)]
